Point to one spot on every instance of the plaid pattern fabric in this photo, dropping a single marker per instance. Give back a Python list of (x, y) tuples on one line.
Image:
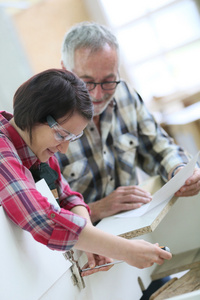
[(95, 165), (25, 206)]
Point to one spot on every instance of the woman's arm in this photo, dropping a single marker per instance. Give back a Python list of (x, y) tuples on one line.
[(138, 253)]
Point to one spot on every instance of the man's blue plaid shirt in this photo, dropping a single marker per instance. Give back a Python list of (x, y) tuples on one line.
[(130, 137)]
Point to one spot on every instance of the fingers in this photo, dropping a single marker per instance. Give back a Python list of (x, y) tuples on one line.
[(123, 199), (159, 261), (161, 256), (165, 255), (132, 195), (189, 190), (132, 202), (129, 206), (134, 191), (192, 185), (146, 254), (186, 193), (92, 271), (136, 199), (194, 178), (93, 261)]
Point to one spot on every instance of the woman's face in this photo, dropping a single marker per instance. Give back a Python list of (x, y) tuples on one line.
[(44, 143)]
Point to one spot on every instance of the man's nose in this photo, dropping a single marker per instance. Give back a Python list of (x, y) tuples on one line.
[(97, 92), (62, 147)]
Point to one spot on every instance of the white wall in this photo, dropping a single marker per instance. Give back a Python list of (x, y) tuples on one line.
[(14, 66)]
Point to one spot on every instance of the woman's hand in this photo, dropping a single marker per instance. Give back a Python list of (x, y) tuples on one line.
[(96, 260), (146, 254)]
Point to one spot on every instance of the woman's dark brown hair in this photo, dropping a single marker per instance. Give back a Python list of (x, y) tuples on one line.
[(54, 92)]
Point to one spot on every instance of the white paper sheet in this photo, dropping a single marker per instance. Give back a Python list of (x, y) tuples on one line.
[(43, 188), (166, 192)]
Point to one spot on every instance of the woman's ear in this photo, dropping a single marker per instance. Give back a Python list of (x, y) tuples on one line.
[(62, 64)]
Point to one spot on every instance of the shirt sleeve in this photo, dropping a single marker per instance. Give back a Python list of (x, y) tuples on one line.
[(67, 198), (26, 207), (158, 153)]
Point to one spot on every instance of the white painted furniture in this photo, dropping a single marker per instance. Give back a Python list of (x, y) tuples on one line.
[(30, 271)]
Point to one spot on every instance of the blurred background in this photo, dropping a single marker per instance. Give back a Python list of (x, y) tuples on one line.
[(160, 49)]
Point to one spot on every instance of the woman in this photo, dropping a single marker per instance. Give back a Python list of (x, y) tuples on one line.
[(51, 109)]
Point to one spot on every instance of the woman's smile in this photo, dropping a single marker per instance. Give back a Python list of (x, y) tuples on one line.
[(51, 153)]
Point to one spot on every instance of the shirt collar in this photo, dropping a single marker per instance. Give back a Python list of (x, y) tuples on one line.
[(25, 153)]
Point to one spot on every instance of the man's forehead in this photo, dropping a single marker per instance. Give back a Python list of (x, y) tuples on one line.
[(103, 64)]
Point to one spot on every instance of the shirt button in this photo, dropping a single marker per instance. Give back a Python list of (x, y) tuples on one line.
[(53, 215), (131, 142), (92, 128), (72, 174)]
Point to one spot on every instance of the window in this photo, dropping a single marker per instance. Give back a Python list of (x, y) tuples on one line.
[(159, 41)]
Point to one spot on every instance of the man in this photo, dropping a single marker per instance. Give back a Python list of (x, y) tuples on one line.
[(101, 165), (123, 135)]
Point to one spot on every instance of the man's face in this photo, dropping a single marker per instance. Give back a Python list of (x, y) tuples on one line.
[(100, 66)]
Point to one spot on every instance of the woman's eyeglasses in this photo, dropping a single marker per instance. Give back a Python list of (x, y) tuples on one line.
[(61, 134)]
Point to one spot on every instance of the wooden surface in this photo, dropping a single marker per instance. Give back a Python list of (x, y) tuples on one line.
[(164, 209), (178, 263), (41, 30), (163, 288), (187, 283), (153, 223)]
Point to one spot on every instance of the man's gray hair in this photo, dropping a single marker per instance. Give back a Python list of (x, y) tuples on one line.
[(86, 35)]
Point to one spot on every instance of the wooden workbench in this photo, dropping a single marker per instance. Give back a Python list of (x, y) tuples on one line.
[(187, 283)]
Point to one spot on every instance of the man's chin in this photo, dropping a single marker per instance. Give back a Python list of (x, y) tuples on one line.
[(99, 110)]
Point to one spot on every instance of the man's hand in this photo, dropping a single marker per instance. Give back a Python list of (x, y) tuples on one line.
[(191, 186), (124, 198)]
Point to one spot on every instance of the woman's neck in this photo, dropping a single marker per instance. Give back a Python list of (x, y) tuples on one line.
[(24, 134)]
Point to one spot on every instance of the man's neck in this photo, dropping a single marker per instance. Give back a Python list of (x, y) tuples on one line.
[(96, 120)]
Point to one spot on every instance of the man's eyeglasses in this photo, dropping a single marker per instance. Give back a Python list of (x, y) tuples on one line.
[(107, 85), (61, 134)]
